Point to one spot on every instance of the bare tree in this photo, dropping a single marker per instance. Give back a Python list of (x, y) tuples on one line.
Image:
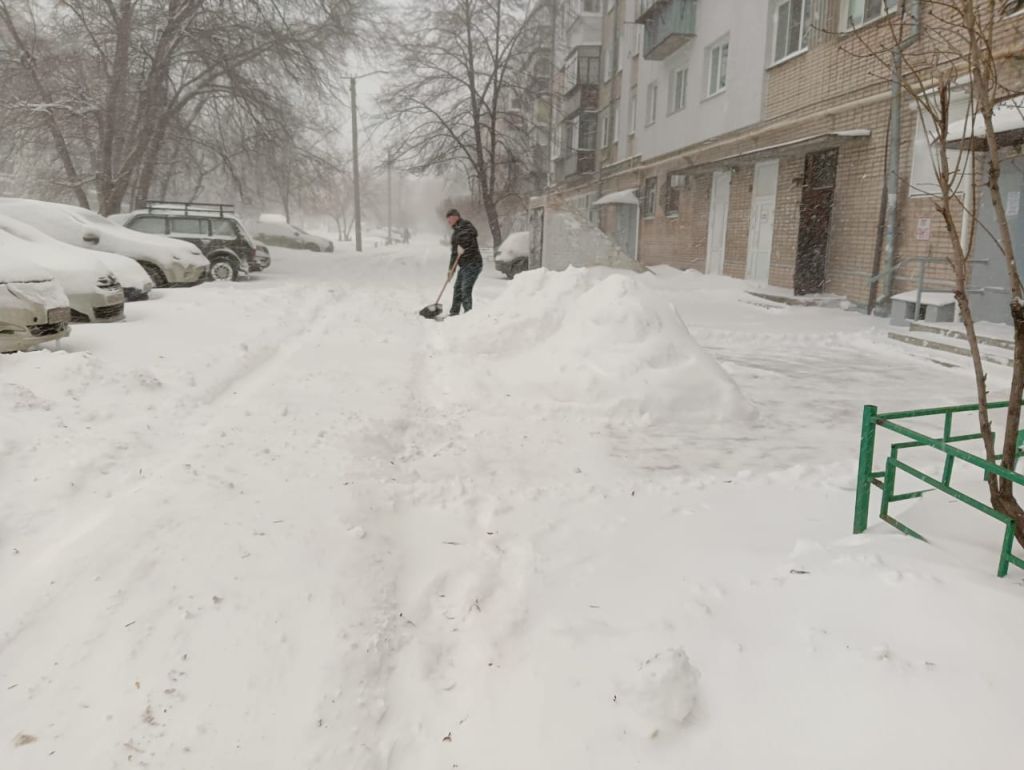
[(960, 65), (122, 87), (453, 105)]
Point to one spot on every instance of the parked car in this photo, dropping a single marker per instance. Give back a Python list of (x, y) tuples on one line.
[(513, 255), (33, 307), (168, 262), (262, 255), (134, 280), (290, 237), (93, 292), (211, 227)]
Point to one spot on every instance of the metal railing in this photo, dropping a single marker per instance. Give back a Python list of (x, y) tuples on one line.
[(886, 479), (922, 262)]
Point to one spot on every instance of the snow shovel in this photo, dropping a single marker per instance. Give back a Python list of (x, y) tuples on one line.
[(433, 311)]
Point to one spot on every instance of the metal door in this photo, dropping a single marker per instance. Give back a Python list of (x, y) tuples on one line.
[(989, 284), (626, 217), (536, 237), (762, 221), (815, 222)]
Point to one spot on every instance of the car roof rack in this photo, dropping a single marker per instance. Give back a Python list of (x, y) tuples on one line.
[(187, 207)]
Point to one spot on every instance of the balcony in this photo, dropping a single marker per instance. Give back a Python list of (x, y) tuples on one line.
[(582, 98), (667, 25), (575, 162)]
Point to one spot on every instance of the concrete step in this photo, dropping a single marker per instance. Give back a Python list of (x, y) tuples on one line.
[(785, 297), (952, 344), (958, 333)]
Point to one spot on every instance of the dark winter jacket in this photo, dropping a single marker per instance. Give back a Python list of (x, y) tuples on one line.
[(464, 235)]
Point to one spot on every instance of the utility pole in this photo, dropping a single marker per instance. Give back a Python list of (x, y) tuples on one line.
[(390, 163), (355, 162)]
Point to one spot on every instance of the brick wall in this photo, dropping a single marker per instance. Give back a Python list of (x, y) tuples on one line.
[(835, 86)]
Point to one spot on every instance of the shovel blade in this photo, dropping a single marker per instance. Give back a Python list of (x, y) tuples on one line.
[(431, 311)]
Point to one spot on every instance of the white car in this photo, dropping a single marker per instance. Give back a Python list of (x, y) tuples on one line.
[(289, 236), (169, 262), (134, 280), (93, 292), (33, 307)]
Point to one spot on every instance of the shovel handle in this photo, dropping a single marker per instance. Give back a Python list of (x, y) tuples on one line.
[(448, 280)]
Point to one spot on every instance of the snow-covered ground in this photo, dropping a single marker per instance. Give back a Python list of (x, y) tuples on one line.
[(600, 522)]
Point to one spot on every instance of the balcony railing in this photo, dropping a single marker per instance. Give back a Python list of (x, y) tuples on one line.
[(667, 25)]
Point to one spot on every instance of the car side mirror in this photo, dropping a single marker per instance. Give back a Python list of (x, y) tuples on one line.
[(90, 237)]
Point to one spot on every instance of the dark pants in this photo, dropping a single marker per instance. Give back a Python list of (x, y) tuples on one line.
[(463, 296)]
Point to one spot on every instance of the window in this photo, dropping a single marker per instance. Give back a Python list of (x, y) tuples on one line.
[(858, 12), (718, 67), (792, 23), (568, 131), (632, 110), (925, 158), (189, 226), (590, 69), (609, 116), (588, 131), (155, 225), (651, 108), (222, 228), (650, 200), (677, 91), (674, 184), (591, 6)]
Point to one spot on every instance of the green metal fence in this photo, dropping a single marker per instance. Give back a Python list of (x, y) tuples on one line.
[(886, 479)]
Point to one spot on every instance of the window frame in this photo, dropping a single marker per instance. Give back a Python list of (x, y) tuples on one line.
[(649, 201), (651, 105), (675, 183), (678, 104), (715, 69), (634, 106), (806, 7), (846, 23)]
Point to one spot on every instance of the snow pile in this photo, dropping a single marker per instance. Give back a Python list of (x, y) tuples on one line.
[(604, 339), (515, 246), (664, 693)]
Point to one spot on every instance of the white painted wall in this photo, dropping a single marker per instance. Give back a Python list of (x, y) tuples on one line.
[(747, 23)]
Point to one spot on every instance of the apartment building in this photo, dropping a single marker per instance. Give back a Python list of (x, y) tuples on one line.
[(750, 138)]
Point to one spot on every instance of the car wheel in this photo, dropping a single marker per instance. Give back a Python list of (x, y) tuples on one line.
[(311, 247), (223, 269), (155, 274)]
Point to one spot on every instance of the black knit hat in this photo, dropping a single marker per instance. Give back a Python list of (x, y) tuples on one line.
[(453, 213)]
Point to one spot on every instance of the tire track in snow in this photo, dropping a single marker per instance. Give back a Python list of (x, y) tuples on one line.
[(171, 572)]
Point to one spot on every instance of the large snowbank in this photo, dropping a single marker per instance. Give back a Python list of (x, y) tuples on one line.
[(600, 339)]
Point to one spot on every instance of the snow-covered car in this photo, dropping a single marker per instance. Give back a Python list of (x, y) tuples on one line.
[(262, 255), (167, 261), (290, 237), (134, 280), (33, 307), (93, 292), (513, 255)]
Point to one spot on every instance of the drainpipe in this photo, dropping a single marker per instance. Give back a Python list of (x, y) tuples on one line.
[(892, 171)]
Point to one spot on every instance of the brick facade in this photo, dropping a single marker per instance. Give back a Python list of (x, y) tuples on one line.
[(839, 84)]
